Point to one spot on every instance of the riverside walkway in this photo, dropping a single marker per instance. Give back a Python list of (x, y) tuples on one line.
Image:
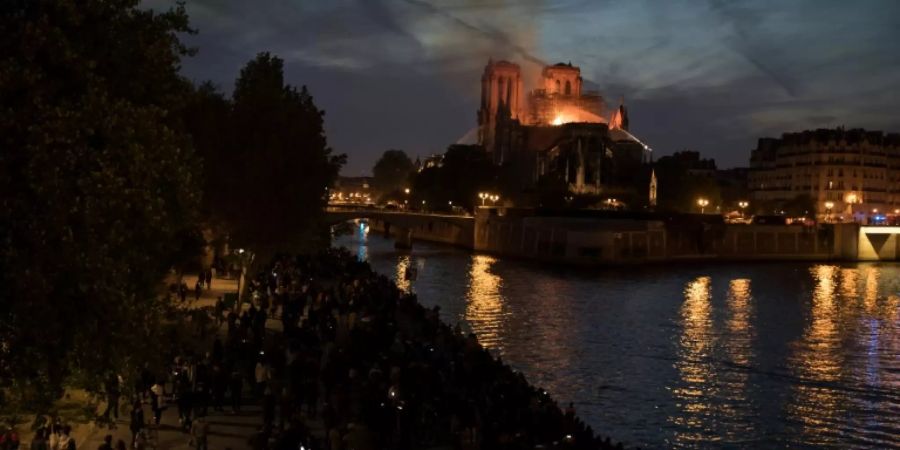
[(227, 431)]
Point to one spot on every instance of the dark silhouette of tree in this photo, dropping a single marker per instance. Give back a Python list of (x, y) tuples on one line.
[(465, 171), (392, 172), (208, 120), (98, 185), (269, 166)]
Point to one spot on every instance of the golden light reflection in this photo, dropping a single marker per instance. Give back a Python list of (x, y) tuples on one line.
[(738, 347), (696, 388), (849, 282), (403, 263), (484, 305), (870, 299), (739, 306), (817, 358)]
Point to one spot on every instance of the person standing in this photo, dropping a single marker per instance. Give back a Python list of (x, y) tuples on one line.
[(209, 278), (66, 442), (39, 442), (53, 439), (112, 400), (137, 420), (237, 383), (156, 398), (219, 310), (9, 439), (107, 443), (200, 433), (262, 375)]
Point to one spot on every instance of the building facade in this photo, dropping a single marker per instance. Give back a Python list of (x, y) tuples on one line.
[(556, 130), (850, 175)]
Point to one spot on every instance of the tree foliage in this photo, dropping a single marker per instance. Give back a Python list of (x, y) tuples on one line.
[(98, 185), (268, 163), (392, 172), (465, 171)]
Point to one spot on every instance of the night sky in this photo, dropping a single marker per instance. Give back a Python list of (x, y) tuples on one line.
[(708, 75)]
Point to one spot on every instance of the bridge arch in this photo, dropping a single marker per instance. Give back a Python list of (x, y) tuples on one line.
[(405, 226)]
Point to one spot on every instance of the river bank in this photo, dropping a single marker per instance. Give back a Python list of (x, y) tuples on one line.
[(384, 372)]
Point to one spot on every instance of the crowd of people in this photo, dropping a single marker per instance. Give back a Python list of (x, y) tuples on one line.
[(379, 370), (363, 360)]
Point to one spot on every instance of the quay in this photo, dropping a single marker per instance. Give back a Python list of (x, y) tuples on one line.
[(601, 238)]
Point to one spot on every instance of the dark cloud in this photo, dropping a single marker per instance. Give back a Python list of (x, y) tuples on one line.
[(709, 75)]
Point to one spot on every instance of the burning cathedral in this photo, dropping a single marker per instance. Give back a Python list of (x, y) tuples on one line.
[(556, 129)]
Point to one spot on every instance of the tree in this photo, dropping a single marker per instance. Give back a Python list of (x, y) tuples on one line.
[(465, 171), (391, 172), (269, 179), (99, 188), (207, 118)]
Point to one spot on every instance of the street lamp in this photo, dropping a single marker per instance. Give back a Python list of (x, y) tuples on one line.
[(703, 203), (406, 191), (494, 199), (483, 196), (244, 257), (743, 204), (828, 206)]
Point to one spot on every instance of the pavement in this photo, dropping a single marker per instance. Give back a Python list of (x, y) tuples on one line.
[(227, 431)]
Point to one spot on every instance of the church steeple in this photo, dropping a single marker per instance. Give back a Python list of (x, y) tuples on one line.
[(619, 118)]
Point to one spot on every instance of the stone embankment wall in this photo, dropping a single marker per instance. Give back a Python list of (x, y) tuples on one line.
[(623, 241), (591, 240), (456, 233)]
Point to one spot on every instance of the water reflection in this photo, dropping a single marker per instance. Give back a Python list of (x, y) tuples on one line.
[(484, 305), (816, 361), (738, 347), (745, 356), (362, 253), (871, 295), (692, 394), (400, 277)]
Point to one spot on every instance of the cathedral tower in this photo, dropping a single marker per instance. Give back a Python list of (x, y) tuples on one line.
[(501, 92)]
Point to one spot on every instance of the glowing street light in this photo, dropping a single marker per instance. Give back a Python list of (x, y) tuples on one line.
[(494, 198), (406, 191), (828, 206), (483, 196), (743, 204), (703, 203)]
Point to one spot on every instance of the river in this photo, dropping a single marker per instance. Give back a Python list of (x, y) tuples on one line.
[(683, 355)]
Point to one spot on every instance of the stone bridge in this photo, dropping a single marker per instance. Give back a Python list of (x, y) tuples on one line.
[(405, 226)]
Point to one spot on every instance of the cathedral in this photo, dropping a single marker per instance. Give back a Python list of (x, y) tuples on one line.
[(556, 129)]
